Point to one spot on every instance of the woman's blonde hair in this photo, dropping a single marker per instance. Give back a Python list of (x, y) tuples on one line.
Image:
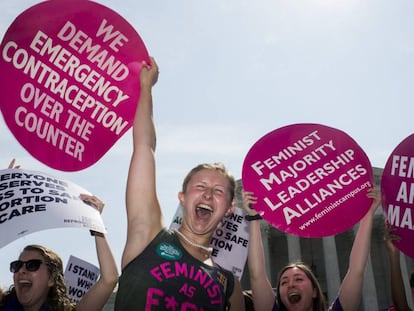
[(212, 166)]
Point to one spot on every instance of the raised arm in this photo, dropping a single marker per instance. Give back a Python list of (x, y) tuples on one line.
[(262, 291), (143, 210), (237, 299), (97, 296), (399, 298), (351, 288)]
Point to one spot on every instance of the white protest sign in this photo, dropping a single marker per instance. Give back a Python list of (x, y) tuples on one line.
[(229, 242), (31, 201), (80, 276)]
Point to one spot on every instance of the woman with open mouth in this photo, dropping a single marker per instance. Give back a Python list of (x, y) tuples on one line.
[(39, 283), (298, 288), (173, 270)]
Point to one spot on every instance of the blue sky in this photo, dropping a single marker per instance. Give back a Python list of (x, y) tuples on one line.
[(232, 71)]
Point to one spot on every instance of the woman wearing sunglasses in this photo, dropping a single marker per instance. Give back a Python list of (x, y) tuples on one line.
[(39, 283)]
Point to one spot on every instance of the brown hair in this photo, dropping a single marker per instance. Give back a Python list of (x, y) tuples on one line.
[(212, 166), (319, 302)]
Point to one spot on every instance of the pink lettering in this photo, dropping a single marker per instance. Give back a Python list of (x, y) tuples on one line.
[(181, 269), (187, 290), (166, 270), (207, 284), (213, 292), (156, 273), (151, 301), (201, 276)]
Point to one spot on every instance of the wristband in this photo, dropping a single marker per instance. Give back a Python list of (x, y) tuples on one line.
[(96, 233), (254, 217)]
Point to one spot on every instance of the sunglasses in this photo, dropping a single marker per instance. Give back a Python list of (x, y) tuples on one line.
[(31, 265)]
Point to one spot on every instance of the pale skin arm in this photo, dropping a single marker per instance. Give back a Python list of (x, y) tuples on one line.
[(399, 298), (143, 210), (351, 288), (12, 164), (236, 299), (262, 291), (97, 296)]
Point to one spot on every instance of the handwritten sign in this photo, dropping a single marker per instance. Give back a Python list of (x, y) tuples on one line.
[(80, 276), (32, 201), (397, 189), (229, 242), (71, 71), (311, 180)]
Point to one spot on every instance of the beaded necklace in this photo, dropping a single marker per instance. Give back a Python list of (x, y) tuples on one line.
[(208, 250)]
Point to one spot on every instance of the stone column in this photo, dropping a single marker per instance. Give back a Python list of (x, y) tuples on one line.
[(331, 267), (265, 237), (294, 253), (369, 291)]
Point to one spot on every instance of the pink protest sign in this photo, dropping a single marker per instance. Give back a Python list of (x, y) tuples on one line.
[(397, 189), (69, 71), (311, 180)]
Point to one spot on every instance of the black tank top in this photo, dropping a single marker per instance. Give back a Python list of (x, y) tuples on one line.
[(166, 277)]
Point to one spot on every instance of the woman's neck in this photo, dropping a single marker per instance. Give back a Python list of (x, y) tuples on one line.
[(192, 246)]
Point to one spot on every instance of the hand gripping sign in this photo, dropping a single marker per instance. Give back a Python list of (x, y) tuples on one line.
[(32, 201), (397, 190), (311, 180), (69, 71)]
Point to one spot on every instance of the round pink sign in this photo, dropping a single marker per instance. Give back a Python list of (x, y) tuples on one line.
[(397, 189), (311, 180), (71, 71)]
